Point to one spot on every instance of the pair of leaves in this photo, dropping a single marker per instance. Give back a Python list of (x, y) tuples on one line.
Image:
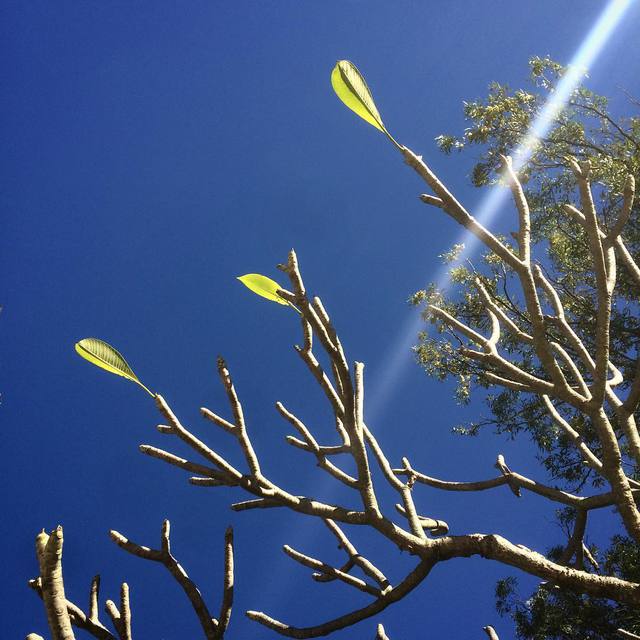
[(352, 89), (106, 357)]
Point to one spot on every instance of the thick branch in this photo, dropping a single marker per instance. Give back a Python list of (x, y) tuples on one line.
[(49, 552), (456, 211), (78, 617)]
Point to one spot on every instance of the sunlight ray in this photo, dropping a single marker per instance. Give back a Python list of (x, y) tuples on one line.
[(497, 196), (384, 381)]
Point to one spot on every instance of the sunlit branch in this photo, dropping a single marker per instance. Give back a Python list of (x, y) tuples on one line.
[(590, 502), (88, 622), (380, 633), (325, 569), (524, 232), (627, 204), (455, 210), (356, 558), (490, 305), (310, 444), (491, 632), (402, 488), (575, 543), (587, 455), (121, 617), (49, 553), (210, 626), (389, 597)]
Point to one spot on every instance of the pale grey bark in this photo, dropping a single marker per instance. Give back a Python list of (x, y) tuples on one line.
[(49, 555), (586, 383)]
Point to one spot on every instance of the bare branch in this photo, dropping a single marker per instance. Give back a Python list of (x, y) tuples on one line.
[(163, 556), (380, 633), (491, 632), (94, 594), (328, 570), (392, 595), (591, 502), (259, 503), (227, 590), (121, 618), (196, 444), (404, 490), (181, 463), (431, 200), (368, 567), (49, 552), (455, 210), (435, 527), (240, 431), (587, 455), (495, 547), (216, 419), (627, 259), (490, 305), (524, 233), (575, 543), (627, 204), (501, 465), (78, 617), (310, 444)]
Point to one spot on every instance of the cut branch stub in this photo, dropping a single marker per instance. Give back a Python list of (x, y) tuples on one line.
[(501, 465), (49, 552)]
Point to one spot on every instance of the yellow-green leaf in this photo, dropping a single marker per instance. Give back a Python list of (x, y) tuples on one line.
[(103, 355), (352, 89), (263, 286)]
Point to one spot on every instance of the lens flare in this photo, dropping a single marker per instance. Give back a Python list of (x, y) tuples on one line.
[(398, 358), (396, 364)]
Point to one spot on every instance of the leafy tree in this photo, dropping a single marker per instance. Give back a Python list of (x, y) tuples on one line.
[(587, 131), (527, 341)]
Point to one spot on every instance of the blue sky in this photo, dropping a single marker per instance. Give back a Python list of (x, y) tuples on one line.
[(153, 151)]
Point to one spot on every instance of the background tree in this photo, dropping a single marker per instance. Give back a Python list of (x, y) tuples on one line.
[(551, 361), (586, 130)]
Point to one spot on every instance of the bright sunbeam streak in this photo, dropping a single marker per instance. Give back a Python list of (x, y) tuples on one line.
[(383, 384), (399, 356)]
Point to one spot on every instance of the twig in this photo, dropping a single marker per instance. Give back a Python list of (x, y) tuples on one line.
[(163, 556), (328, 570), (121, 618), (380, 633), (392, 595), (368, 567), (491, 632)]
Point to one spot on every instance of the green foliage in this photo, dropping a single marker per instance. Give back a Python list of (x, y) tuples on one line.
[(585, 129), (553, 614)]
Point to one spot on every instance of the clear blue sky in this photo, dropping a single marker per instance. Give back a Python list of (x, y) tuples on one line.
[(152, 152)]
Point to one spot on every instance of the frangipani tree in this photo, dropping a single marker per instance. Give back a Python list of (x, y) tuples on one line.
[(561, 370)]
